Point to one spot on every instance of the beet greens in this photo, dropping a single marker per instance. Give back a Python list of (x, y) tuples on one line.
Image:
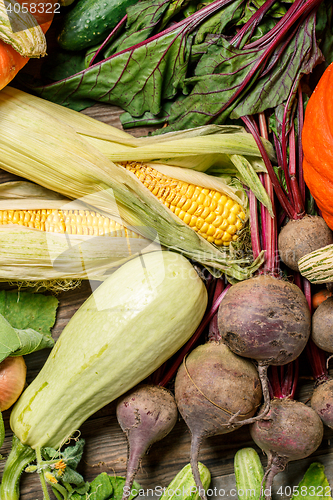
[(222, 61)]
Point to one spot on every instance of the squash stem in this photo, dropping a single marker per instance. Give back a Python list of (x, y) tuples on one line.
[(19, 457), (41, 475)]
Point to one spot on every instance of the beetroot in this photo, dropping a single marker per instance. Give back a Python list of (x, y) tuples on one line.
[(322, 320), (146, 415), (215, 391), (266, 319), (322, 402), (301, 236), (290, 431)]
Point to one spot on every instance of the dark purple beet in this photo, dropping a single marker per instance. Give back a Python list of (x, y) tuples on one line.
[(290, 431), (322, 402), (216, 391), (146, 414), (266, 319)]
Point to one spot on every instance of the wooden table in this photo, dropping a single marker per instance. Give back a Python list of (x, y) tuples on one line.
[(106, 447)]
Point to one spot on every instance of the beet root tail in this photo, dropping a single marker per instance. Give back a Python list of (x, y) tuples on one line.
[(133, 464), (195, 446), (275, 465)]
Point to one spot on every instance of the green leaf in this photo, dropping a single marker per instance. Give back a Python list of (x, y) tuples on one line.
[(25, 310), (73, 454), (101, 488), (118, 484), (32, 341), (250, 178), (314, 485), (9, 340), (71, 476)]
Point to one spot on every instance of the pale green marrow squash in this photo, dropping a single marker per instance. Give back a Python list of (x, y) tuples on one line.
[(137, 319)]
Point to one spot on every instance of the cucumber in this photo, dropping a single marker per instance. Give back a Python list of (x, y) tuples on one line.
[(183, 485), (249, 474), (90, 21)]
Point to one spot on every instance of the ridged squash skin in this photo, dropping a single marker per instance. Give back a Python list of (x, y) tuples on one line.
[(317, 142), (137, 319)]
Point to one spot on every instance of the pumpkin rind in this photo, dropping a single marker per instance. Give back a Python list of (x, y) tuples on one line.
[(317, 141)]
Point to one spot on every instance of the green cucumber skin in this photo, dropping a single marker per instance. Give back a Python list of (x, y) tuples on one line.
[(183, 485), (90, 21), (249, 474), (135, 320)]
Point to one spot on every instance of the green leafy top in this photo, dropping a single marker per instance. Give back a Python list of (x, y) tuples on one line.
[(26, 320)]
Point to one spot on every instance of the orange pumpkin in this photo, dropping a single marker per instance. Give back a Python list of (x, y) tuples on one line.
[(317, 141), (11, 62)]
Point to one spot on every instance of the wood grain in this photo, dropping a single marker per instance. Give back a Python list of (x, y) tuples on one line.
[(106, 447)]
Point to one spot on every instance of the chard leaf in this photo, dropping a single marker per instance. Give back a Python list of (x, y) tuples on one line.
[(219, 74), (239, 82), (154, 70), (142, 19), (29, 310), (63, 64), (288, 63), (139, 78), (324, 30)]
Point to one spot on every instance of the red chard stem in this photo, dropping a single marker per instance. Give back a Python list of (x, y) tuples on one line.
[(285, 204)]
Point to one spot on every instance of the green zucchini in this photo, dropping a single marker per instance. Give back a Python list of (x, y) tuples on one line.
[(317, 266), (249, 474), (137, 319), (90, 21), (183, 485)]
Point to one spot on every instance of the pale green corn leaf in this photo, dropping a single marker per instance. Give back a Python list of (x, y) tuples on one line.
[(251, 179)]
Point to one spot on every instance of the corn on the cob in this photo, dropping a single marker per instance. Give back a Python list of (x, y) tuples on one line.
[(57, 157), (215, 216), (81, 222)]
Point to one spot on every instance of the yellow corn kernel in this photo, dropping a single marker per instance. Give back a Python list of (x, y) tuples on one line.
[(215, 216), (67, 221)]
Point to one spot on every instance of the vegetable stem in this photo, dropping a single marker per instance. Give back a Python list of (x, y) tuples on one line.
[(285, 203), (300, 121), (19, 457), (46, 495)]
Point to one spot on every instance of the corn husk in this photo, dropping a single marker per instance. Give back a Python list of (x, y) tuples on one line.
[(219, 150), (45, 149), (31, 255), (20, 29)]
